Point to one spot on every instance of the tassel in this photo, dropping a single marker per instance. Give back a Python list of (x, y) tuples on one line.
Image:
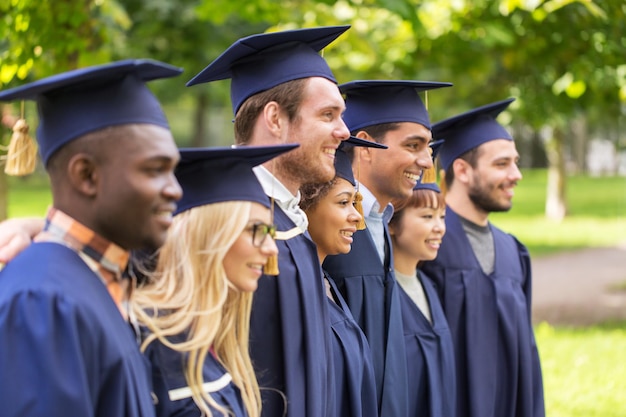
[(442, 182), (358, 198), (429, 176), (21, 157), (271, 267)]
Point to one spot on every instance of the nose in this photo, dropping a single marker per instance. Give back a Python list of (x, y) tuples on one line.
[(354, 216), (424, 161), (342, 132), (269, 247), (440, 225), (516, 174), (173, 189)]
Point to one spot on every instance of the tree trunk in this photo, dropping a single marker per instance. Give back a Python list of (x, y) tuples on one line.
[(556, 207), (579, 141), (199, 120)]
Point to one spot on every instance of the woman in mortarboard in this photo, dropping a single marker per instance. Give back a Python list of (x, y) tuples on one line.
[(417, 229), (333, 219), (196, 306)]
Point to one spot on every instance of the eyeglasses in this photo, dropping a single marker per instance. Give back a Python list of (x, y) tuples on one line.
[(260, 232)]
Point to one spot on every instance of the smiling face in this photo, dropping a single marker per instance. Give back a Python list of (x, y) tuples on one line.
[(244, 261), (137, 188), (319, 129), (491, 181), (333, 219), (392, 173), (417, 230)]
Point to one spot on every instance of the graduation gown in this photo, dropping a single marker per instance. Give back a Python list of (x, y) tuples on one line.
[(430, 357), (372, 294), (64, 347), (354, 372), (289, 336), (498, 370), (169, 380)]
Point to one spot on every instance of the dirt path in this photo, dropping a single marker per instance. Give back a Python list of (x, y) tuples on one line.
[(579, 288)]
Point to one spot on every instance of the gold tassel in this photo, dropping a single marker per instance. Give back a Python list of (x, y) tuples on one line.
[(429, 176), (271, 267), (442, 182), (21, 156), (358, 198)]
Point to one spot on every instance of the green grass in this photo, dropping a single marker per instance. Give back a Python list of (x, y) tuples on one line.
[(584, 370), (29, 196), (596, 214)]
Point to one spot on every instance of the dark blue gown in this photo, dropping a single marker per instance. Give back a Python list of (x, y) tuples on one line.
[(354, 372), (430, 357), (168, 374), (289, 331), (64, 347), (498, 369), (373, 296)]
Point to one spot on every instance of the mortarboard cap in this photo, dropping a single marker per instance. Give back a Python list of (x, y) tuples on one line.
[(259, 62), (213, 175), (74, 103), (343, 162), (374, 102), (429, 181), (343, 169), (468, 130)]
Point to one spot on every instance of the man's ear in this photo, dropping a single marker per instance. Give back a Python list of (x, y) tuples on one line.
[(363, 153), (462, 170), (83, 174), (272, 118)]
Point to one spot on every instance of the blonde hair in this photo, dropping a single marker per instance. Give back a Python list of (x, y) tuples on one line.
[(189, 293)]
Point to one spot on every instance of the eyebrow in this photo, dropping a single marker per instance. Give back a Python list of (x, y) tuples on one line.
[(419, 138)]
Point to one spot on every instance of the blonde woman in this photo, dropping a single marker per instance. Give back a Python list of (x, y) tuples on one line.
[(196, 304)]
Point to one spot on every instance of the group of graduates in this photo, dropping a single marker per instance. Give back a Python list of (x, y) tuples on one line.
[(302, 272)]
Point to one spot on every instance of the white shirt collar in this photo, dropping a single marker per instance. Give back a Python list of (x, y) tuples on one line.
[(288, 202)]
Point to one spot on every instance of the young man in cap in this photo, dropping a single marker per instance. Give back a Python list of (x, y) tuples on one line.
[(283, 91), (66, 346), (483, 274), (391, 113)]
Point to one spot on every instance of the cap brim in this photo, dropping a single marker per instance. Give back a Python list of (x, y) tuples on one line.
[(370, 84), (146, 69), (251, 155), (493, 110), (353, 140), (220, 68)]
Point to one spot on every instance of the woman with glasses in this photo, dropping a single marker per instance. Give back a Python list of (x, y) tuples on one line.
[(333, 218), (196, 304)]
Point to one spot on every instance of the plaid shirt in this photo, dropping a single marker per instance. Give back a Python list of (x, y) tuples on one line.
[(105, 258)]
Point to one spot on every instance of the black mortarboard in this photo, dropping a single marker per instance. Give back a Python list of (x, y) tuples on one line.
[(213, 175), (343, 163), (468, 130), (77, 102), (374, 102), (259, 62)]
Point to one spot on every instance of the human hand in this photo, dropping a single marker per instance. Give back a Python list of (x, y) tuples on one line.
[(16, 234)]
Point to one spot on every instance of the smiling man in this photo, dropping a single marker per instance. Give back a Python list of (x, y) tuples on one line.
[(66, 346), (282, 92), (391, 113), (483, 274)]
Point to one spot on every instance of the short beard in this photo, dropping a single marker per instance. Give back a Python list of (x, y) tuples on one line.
[(480, 196)]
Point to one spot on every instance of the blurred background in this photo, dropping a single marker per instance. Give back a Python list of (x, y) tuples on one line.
[(564, 61)]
